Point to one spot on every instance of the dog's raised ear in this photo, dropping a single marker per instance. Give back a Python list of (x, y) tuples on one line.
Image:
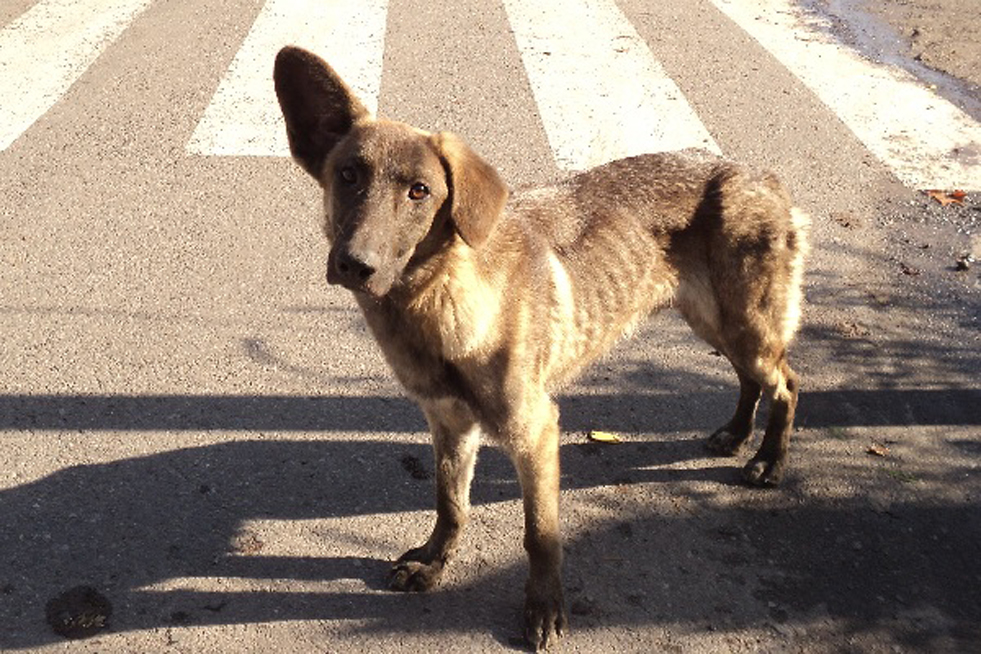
[(477, 194), (318, 106)]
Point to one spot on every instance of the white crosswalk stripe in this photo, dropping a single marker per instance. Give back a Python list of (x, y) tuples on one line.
[(243, 118), (589, 70), (923, 138), (47, 49), (600, 92)]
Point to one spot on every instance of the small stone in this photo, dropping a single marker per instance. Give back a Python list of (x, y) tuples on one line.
[(180, 618), (414, 467), (585, 605), (907, 269), (79, 612)]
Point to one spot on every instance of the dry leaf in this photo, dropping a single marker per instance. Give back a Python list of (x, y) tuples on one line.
[(947, 197), (605, 437), (247, 544), (878, 449)]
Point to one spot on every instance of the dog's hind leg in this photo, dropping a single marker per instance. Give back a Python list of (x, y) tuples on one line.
[(767, 465), (456, 439), (729, 439), (758, 352)]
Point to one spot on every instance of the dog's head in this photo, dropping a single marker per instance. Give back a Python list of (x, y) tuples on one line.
[(391, 192)]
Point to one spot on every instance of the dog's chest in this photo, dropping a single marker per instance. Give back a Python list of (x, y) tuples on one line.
[(456, 309)]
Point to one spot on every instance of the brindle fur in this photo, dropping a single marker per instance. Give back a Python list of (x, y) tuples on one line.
[(484, 306)]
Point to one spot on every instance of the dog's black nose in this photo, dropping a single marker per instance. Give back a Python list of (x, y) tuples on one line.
[(352, 270)]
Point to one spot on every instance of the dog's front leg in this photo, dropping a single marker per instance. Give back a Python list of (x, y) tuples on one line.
[(456, 439), (535, 452)]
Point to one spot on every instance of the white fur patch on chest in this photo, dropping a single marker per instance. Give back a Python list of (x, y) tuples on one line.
[(457, 306)]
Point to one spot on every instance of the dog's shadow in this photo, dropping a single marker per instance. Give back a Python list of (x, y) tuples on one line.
[(143, 530), (129, 527)]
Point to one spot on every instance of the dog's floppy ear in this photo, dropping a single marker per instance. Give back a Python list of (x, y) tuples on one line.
[(318, 106), (477, 194)]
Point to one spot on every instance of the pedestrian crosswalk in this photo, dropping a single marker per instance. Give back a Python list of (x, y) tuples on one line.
[(600, 92), (244, 119), (599, 89), (924, 139), (46, 49)]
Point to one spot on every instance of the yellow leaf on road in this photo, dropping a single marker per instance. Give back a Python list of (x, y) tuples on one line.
[(605, 437)]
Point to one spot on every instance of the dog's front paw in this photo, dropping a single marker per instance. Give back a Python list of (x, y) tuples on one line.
[(764, 472), (725, 443), (545, 617), (413, 573)]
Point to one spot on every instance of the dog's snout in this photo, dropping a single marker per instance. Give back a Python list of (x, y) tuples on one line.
[(350, 266), (353, 270)]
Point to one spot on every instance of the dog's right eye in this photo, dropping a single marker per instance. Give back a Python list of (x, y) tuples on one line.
[(348, 175), (419, 191)]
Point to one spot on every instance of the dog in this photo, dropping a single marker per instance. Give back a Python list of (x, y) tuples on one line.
[(484, 303)]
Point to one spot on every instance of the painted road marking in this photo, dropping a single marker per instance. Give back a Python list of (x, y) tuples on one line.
[(599, 89), (243, 118), (46, 49), (600, 92), (927, 141)]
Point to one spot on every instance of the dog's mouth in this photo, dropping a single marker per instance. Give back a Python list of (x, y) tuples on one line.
[(356, 286)]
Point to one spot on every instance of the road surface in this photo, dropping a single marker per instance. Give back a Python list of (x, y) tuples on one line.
[(198, 428)]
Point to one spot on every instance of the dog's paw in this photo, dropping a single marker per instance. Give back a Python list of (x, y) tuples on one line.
[(411, 573), (725, 443), (545, 618), (763, 472)]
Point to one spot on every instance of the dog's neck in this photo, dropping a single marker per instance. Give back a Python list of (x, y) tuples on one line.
[(450, 300)]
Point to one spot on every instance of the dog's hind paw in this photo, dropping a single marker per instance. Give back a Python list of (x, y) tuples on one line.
[(763, 472), (725, 443)]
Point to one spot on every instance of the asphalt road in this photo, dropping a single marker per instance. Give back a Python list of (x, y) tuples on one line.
[(196, 426)]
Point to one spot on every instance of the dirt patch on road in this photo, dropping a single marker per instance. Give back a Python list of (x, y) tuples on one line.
[(935, 40), (943, 34)]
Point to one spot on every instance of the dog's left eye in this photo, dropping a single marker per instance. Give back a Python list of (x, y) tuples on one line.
[(419, 191), (348, 174)]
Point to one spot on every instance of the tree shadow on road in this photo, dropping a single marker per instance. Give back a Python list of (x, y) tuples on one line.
[(130, 525)]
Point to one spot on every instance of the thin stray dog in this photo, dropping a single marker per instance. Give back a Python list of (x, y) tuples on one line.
[(484, 305)]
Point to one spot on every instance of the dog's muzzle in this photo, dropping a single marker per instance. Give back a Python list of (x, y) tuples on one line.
[(351, 271)]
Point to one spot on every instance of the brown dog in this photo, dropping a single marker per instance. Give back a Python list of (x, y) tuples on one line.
[(484, 306)]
